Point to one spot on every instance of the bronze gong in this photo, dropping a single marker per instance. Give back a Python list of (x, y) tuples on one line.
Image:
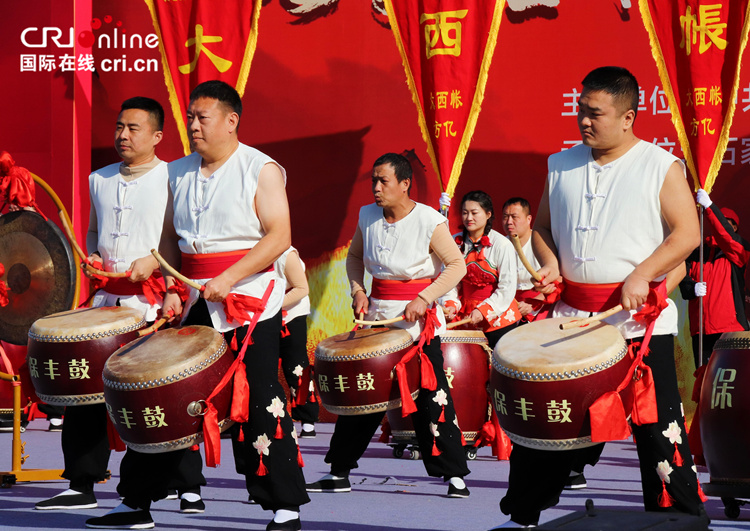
[(39, 271)]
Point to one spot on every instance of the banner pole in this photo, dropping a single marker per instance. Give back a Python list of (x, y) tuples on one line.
[(700, 307)]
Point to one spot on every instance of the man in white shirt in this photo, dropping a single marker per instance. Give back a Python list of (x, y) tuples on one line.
[(128, 200)]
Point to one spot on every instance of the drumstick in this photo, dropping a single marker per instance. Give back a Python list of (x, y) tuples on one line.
[(525, 261), (450, 326), (157, 324), (175, 273), (85, 262), (379, 323), (593, 319)]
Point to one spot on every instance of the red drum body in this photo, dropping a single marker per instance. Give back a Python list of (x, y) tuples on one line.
[(354, 371), (466, 361), (155, 387), (67, 352), (544, 379), (724, 410)]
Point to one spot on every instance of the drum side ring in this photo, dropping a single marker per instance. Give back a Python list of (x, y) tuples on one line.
[(185, 373), (368, 408), (48, 338), (72, 400), (551, 444), (411, 434), (363, 355), (176, 444), (555, 376)]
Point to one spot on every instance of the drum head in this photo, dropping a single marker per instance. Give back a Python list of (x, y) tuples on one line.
[(167, 355), (39, 270), (540, 350), (365, 341), (86, 324)]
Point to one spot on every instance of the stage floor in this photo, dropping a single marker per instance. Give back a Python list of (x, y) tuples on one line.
[(387, 493)]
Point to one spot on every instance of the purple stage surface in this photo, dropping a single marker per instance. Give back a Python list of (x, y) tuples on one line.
[(387, 493)]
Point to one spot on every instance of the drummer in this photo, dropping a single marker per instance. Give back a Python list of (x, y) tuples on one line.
[(595, 227), (230, 224), (403, 245), (486, 294), (128, 200), (516, 221)]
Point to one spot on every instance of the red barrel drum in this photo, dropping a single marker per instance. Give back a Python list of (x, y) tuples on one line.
[(724, 410), (544, 379), (67, 352), (156, 387), (466, 361), (354, 371)]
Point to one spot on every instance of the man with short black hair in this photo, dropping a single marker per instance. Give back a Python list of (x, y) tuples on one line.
[(615, 218), (403, 245)]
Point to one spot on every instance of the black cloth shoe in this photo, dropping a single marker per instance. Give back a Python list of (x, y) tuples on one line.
[(575, 482), (68, 502), (307, 434), (140, 519), (330, 485), (455, 492), (291, 525), (172, 494), (196, 506)]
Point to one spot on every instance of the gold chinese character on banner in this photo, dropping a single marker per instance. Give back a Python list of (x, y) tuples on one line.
[(442, 32), (199, 41), (706, 28), (442, 99), (714, 95), (456, 99)]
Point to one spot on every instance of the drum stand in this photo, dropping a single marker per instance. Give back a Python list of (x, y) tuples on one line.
[(17, 453)]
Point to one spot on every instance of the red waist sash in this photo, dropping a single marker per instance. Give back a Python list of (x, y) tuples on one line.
[(591, 297), (594, 297), (471, 291), (211, 265), (123, 287), (398, 290)]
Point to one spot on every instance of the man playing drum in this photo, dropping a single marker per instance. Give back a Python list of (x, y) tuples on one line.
[(230, 224), (403, 245), (585, 232), (128, 201)]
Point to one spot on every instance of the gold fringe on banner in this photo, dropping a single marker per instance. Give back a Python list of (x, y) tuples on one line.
[(179, 113), (252, 42), (174, 102), (476, 105), (679, 125)]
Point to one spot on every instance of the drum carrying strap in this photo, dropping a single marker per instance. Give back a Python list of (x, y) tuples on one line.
[(607, 413), (240, 308), (427, 372)]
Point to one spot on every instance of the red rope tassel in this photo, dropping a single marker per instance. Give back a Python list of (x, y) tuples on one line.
[(385, 433), (241, 436), (442, 415), (279, 432), (677, 459), (665, 500), (300, 462), (262, 470), (701, 495), (435, 450)]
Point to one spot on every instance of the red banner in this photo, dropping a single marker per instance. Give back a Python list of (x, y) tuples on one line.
[(203, 40), (698, 47), (446, 47)]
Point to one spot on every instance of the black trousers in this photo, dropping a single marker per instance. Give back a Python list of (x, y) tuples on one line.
[(494, 336), (283, 487), (85, 446), (537, 477), (352, 433), (293, 353)]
